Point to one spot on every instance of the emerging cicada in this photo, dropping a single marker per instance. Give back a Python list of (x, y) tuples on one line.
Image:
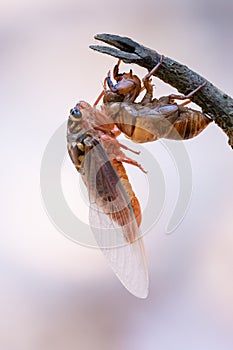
[(115, 213)]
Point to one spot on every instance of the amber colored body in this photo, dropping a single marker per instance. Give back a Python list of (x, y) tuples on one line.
[(144, 124), (150, 119), (120, 170), (92, 128)]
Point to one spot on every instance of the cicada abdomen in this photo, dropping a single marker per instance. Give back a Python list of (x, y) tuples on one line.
[(185, 124), (134, 202)]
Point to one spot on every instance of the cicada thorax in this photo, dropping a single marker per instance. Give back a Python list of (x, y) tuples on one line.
[(77, 154)]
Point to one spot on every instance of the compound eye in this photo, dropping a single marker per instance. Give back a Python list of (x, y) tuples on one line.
[(76, 113)]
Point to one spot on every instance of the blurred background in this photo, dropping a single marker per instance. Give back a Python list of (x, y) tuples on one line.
[(56, 294)]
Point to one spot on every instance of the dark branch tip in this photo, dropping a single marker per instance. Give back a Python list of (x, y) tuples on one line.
[(125, 56), (123, 43)]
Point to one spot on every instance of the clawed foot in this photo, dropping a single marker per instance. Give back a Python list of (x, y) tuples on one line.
[(185, 97), (149, 74), (147, 78)]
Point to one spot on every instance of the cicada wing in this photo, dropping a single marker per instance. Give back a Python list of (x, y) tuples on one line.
[(127, 260), (113, 222)]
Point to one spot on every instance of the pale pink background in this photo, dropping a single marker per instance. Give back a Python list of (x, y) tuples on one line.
[(56, 294)]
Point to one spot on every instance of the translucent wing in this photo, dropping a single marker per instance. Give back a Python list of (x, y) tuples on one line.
[(113, 222)]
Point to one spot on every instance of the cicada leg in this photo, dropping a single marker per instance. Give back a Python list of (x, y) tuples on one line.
[(112, 137), (173, 97), (154, 70), (99, 98), (128, 149), (124, 159), (147, 84), (112, 147), (102, 93), (116, 75), (185, 103)]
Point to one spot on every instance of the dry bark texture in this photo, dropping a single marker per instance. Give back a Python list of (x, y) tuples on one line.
[(214, 102)]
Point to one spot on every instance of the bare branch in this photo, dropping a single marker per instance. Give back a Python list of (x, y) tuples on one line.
[(213, 101)]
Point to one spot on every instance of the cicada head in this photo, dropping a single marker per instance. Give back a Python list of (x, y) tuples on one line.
[(76, 121), (126, 89)]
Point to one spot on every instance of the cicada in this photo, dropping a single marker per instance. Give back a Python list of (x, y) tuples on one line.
[(114, 212)]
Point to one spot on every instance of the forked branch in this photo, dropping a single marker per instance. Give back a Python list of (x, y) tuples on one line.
[(213, 101)]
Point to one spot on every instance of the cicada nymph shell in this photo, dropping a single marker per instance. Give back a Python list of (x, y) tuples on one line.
[(151, 118)]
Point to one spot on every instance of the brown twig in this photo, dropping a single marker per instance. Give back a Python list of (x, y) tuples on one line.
[(213, 101)]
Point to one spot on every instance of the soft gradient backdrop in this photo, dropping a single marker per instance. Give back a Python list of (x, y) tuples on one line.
[(56, 294)]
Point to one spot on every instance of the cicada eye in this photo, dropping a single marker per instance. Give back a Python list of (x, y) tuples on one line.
[(76, 113)]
